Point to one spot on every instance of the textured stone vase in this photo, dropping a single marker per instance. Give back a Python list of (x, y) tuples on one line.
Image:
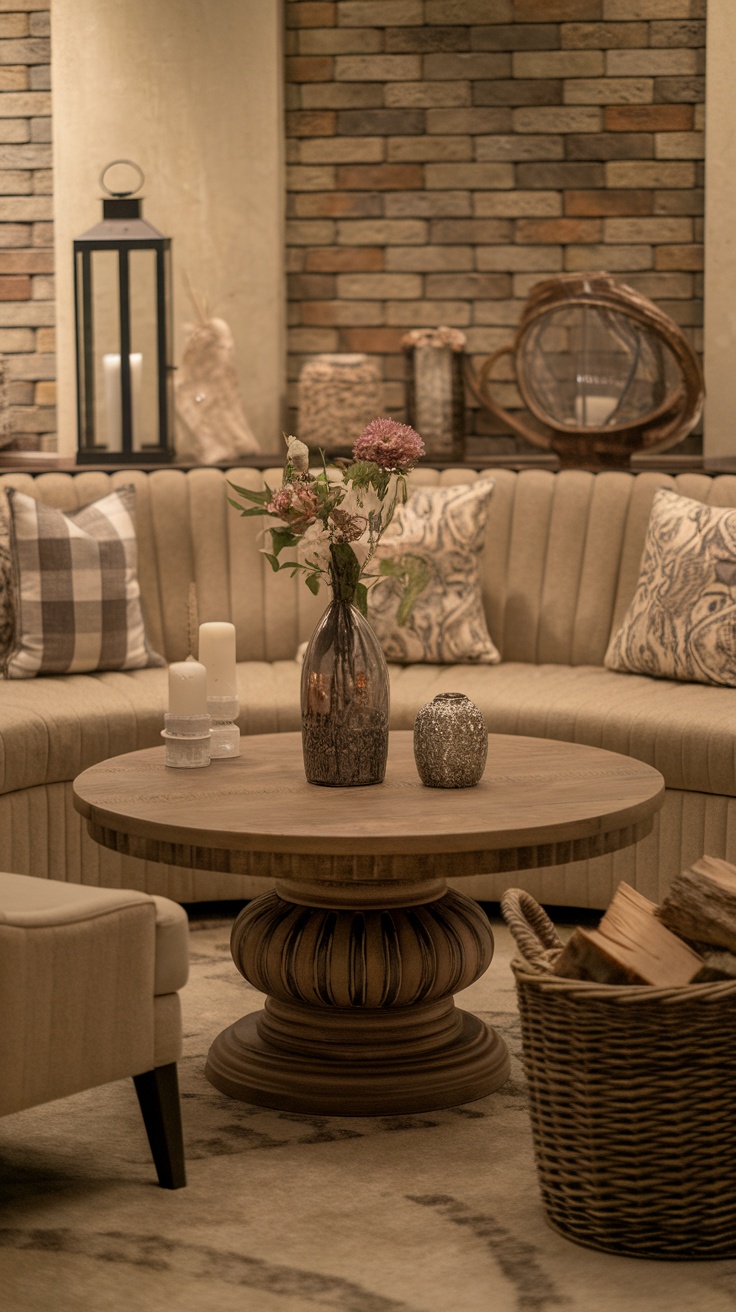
[(450, 742), (345, 701)]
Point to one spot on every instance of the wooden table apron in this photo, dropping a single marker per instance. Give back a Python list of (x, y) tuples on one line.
[(362, 945)]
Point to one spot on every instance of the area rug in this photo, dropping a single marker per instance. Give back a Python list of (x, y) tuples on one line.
[(437, 1212)]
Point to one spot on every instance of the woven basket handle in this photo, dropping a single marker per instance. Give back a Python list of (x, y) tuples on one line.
[(535, 935)]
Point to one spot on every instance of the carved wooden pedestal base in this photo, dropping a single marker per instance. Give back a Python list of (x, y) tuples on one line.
[(360, 1020)]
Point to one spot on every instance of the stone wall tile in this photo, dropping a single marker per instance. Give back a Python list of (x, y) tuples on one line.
[(428, 148), (430, 259), (377, 68), (547, 259), (604, 202), (379, 177), (679, 145), (604, 36), (516, 204), (609, 91), (428, 314), (618, 10), (616, 259), (518, 92), (381, 232), (648, 118), (519, 147), (427, 204), (516, 36), (475, 176), (573, 118), (650, 63), (679, 257), (427, 95), (342, 95), (379, 286), (342, 150), (337, 204), (646, 173), (609, 145), (349, 259), (413, 40), (544, 231), (311, 13), (471, 66), (384, 13), (340, 41)]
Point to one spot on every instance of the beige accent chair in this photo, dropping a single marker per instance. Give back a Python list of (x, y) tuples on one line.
[(89, 981)]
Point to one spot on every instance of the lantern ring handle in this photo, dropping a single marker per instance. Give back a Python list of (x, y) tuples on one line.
[(120, 194)]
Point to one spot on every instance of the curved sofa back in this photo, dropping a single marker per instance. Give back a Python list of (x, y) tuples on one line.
[(559, 566)]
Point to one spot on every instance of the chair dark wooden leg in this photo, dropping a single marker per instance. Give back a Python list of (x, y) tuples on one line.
[(158, 1095)]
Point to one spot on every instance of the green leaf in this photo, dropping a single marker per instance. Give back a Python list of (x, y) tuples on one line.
[(259, 497), (246, 514), (273, 562), (282, 537), (361, 599), (312, 582)]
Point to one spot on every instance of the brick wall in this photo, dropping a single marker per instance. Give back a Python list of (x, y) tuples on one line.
[(26, 231), (444, 155)]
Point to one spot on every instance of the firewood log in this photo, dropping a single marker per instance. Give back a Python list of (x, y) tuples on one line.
[(630, 946), (701, 903)]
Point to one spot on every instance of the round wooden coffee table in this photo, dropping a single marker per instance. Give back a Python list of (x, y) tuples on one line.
[(362, 945)]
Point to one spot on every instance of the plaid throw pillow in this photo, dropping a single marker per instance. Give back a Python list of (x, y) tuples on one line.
[(77, 599)]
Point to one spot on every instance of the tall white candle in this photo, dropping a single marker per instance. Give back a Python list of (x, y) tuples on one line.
[(594, 411), (187, 688), (114, 398), (217, 654)]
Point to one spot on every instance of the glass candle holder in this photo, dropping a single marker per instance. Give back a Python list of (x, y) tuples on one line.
[(224, 734), (187, 739)]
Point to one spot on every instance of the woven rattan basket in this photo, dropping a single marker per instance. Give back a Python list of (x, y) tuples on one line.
[(633, 1103)]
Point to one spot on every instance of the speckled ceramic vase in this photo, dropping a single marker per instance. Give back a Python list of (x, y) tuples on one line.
[(450, 742)]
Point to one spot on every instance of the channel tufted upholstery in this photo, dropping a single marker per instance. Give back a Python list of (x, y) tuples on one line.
[(559, 567)]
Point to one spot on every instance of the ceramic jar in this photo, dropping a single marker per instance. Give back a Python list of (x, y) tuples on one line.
[(450, 742)]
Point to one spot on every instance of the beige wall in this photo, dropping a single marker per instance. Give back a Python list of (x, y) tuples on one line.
[(720, 232), (191, 90)]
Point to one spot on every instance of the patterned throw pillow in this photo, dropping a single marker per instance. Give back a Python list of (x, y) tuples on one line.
[(77, 598), (447, 625), (681, 622)]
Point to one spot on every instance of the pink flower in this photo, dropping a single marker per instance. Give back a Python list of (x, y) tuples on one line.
[(392, 446), (296, 504)]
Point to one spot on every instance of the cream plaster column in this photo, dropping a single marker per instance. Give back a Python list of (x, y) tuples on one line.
[(720, 231), (191, 90)]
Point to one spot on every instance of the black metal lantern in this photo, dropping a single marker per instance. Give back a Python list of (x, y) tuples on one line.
[(123, 334)]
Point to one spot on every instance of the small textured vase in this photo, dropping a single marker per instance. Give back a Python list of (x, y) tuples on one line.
[(345, 698), (450, 742)]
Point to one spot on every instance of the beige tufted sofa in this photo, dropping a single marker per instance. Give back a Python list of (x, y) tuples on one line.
[(559, 567)]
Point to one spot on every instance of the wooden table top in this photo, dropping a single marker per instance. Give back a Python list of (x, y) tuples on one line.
[(539, 802)]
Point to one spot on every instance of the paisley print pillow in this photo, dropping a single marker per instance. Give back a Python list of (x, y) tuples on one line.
[(447, 624), (681, 623)]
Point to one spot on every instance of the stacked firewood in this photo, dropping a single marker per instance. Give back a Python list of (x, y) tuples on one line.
[(690, 938)]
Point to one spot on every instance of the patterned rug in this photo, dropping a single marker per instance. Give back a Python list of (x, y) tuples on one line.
[(437, 1212)]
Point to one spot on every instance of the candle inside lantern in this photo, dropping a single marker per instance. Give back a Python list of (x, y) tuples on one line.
[(594, 411), (217, 654), (187, 688), (114, 398)]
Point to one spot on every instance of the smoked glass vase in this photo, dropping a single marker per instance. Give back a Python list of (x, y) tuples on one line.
[(344, 701)]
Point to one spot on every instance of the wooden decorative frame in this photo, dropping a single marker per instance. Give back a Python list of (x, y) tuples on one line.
[(587, 446)]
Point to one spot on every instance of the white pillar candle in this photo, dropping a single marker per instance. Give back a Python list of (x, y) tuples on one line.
[(594, 411), (217, 654), (114, 398), (187, 688)]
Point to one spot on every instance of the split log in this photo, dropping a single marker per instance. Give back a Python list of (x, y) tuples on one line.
[(701, 903), (630, 946)]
